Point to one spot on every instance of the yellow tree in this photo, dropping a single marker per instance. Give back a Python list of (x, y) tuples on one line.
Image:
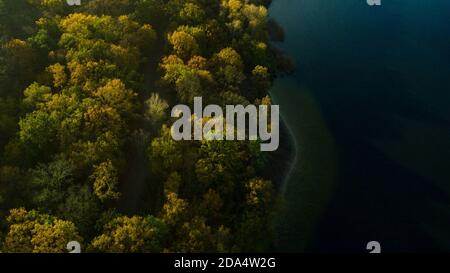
[(105, 178), (135, 234), (38, 233), (184, 44)]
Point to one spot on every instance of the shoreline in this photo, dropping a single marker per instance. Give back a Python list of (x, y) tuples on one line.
[(281, 161), (308, 180), (294, 154)]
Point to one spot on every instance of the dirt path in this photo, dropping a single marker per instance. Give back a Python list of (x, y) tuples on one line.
[(133, 188)]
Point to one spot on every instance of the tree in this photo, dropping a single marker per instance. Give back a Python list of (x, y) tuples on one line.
[(50, 182), (38, 134), (194, 236), (100, 118), (59, 75), (114, 8), (80, 207), (256, 224), (165, 154), (260, 194), (18, 63), (53, 7), (156, 110), (188, 85), (17, 17), (38, 233), (65, 142), (173, 183), (35, 95), (261, 81), (256, 16), (198, 63), (184, 45), (54, 237), (174, 210), (245, 17), (86, 153), (116, 95), (211, 207), (191, 14), (151, 12), (101, 48), (221, 164), (105, 180), (135, 234), (188, 81), (254, 232), (45, 40), (229, 69)]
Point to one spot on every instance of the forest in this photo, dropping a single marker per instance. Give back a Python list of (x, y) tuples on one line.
[(85, 148)]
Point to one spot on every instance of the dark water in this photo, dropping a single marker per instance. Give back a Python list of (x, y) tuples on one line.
[(381, 80)]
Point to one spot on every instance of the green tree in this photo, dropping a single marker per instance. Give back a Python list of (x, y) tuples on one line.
[(191, 14), (221, 164), (114, 8), (35, 95), (165, 153), (38, 134), (49, 183), (65, 142), (80, 207), (17, 17), (156, 110)]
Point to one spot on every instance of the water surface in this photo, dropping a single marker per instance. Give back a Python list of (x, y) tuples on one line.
[(377, 87)]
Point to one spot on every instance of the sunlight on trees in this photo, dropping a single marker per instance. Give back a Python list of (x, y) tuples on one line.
[(79, 128)]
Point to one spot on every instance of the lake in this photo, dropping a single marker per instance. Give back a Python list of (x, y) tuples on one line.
[(368, 108)]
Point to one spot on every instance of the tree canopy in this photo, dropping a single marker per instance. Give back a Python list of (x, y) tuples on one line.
[(85, 141)]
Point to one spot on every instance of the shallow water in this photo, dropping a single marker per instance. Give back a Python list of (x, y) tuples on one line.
[(378, 87)]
